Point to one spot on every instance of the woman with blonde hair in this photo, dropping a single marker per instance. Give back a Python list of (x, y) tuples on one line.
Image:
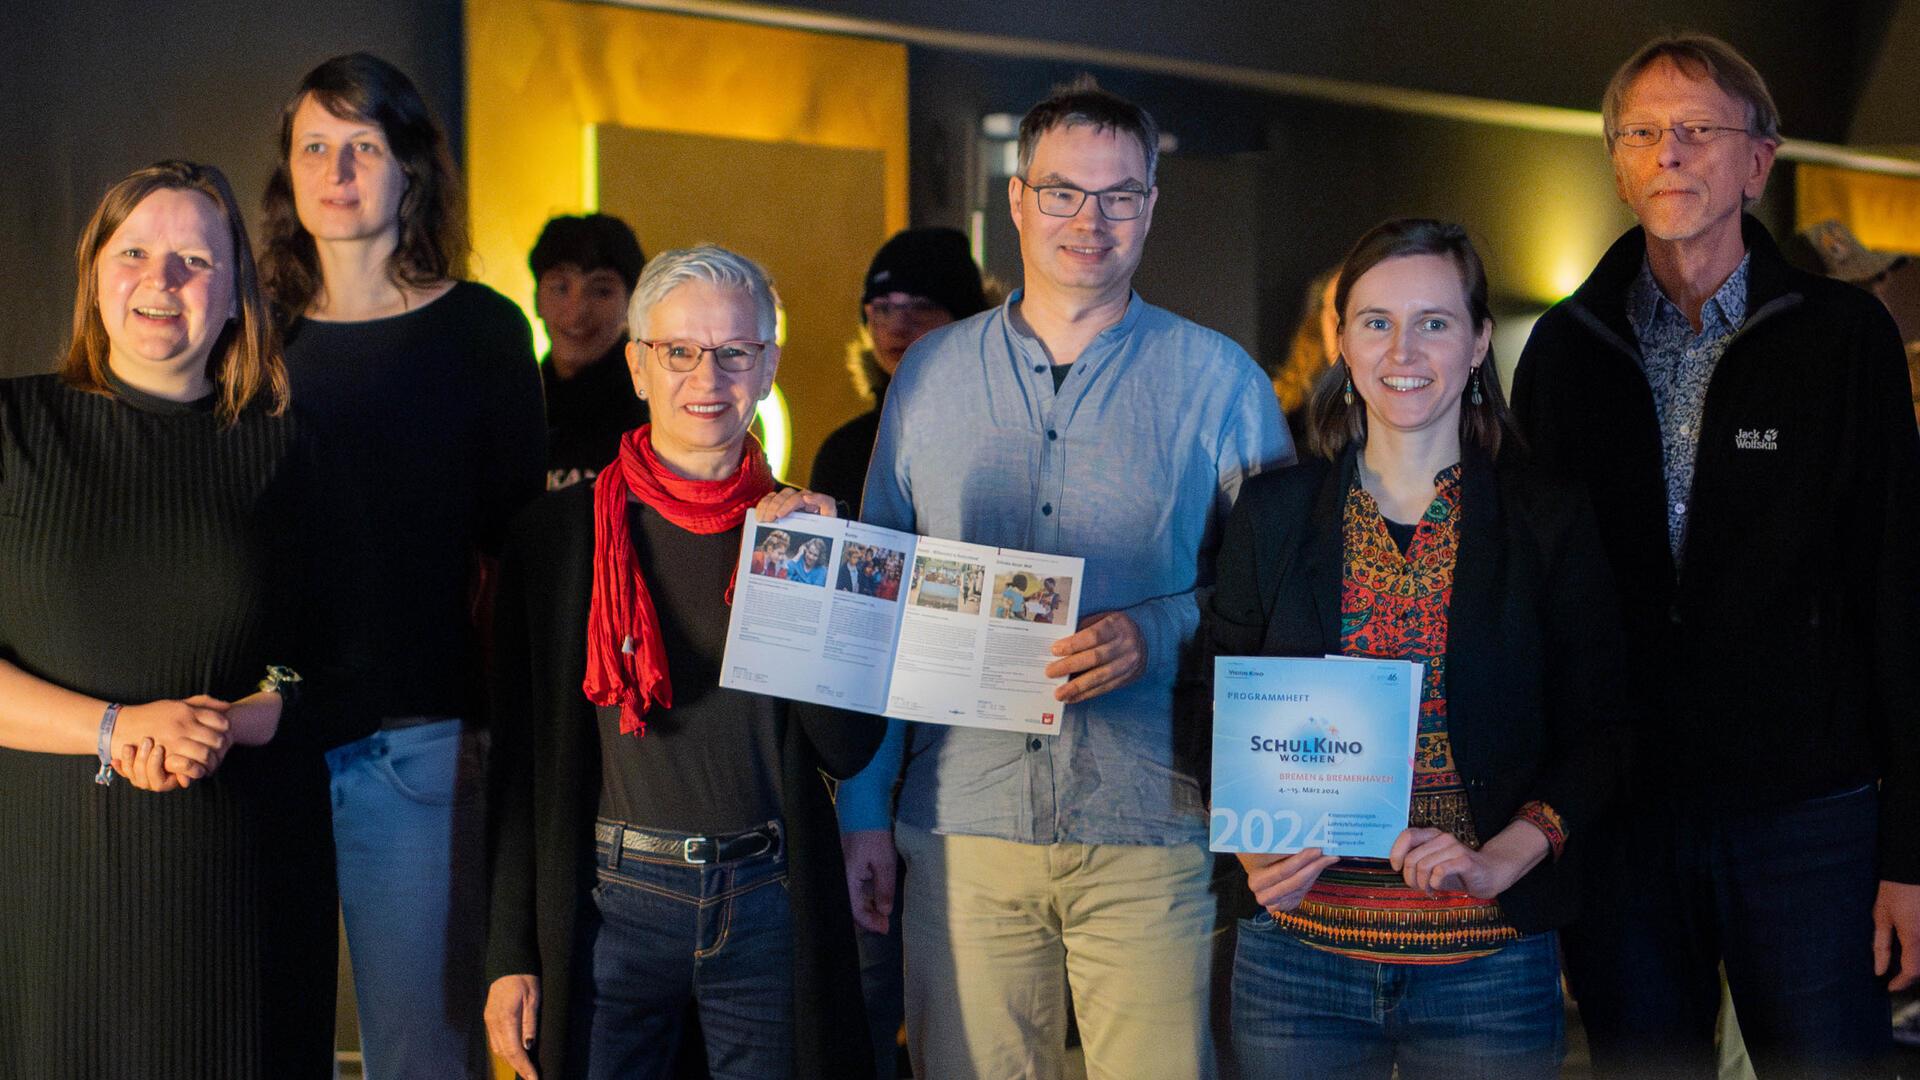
[(163, 603)]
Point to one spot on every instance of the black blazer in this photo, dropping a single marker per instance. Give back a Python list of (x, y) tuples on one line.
[(546, 788), (1534, 681)]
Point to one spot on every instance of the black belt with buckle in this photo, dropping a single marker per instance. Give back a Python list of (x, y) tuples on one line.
[(696, 850)]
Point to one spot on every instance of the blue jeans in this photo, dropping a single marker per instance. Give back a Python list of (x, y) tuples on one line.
[(410, 843), (661, 932), (1783, 897), (1299, 1011)]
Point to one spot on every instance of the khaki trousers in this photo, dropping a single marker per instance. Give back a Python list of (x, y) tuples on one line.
[(997, 933)]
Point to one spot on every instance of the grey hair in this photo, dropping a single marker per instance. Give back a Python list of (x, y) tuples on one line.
[(714, 265), (1699, 56)]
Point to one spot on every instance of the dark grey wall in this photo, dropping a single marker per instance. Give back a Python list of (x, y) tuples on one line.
[(92, 89), (1811, 51)]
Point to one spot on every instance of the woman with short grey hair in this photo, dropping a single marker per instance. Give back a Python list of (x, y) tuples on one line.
[(663, 842)]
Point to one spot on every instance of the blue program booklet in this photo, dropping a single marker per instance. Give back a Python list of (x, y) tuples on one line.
[(1312, 753)]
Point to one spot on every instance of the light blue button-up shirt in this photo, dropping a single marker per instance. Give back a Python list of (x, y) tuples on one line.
[(1131, 465)]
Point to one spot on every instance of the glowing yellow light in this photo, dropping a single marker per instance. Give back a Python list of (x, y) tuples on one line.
[(775, 429), (589, 203), (589, 168)]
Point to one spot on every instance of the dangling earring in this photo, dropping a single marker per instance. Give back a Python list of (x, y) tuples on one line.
[(1346, 392), (1477, 399)]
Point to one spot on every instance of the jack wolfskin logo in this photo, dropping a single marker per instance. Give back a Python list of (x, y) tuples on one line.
[(1755, 439)]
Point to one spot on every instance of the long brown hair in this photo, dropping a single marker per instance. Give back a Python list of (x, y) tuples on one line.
[(246, 358), (433, 244), (1307, 357), (1331, 422)]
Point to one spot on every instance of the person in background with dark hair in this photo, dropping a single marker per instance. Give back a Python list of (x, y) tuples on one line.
[(163, 528), (1417, 533), (430, 383), (920, 280), (584, 270), (1076, 419), (1743, 431)]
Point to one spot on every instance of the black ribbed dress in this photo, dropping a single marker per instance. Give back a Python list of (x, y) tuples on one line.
[(148, 552)]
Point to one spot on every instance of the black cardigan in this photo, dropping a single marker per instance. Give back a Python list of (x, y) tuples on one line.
[(545, 791), (1534, 682), (1783, 652)]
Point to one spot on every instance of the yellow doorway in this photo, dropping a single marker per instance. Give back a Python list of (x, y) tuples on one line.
[(787, 145)]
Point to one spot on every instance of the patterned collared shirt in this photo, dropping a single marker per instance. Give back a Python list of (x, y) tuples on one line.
[(1679, 364)]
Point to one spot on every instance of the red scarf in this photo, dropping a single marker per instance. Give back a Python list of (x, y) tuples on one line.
[(626, 663)]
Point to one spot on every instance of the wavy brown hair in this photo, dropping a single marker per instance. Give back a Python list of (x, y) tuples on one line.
[(433, 244), (1488, 426), (246, 359), (1307, 357)]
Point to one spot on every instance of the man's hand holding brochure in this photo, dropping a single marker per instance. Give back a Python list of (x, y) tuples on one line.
[(860, 617)]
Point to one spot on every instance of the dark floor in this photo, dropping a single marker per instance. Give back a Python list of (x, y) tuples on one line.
[(1575, 1067)]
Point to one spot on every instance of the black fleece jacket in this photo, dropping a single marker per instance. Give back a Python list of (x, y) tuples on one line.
[(1782, 655)]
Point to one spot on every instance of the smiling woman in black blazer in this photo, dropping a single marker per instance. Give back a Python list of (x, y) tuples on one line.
[(1417, 533)]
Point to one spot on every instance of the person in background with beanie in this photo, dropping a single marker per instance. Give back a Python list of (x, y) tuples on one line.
[(920, 280)]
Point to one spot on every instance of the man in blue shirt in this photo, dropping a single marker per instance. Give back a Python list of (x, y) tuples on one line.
[(1076, 419)]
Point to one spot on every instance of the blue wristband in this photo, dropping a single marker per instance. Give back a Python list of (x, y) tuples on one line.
[(105, 775)]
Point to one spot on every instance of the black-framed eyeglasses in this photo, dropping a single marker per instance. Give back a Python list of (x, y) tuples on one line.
[(1645, 135), (679, 355), (1065, 200), (917, 309)]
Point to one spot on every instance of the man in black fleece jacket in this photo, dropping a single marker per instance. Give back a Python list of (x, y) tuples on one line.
[(1742, 429)]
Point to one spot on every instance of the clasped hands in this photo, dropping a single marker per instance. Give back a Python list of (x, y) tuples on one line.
[(167, 745), (1429, 860)]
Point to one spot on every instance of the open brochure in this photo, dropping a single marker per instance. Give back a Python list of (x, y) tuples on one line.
[(842, 613)]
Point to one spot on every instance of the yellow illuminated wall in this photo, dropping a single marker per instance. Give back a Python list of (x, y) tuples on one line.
[(1883, 211), (543, 74)]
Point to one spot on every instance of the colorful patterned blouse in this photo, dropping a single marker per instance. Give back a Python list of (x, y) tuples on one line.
[(1393, 605)]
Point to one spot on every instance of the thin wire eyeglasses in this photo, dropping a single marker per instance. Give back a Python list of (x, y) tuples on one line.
[(1645, 135), (1065, 200), (684, 356)]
